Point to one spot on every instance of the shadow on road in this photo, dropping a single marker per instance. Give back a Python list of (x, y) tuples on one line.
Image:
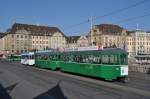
[(3, 93), (53, 93)]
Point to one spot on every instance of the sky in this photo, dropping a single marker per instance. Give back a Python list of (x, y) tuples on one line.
[(68, 14)]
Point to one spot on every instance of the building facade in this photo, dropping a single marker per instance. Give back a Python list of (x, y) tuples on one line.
[(83, 41), (77, 41), (72, 41), (108, 35), (25, 37), (2, 43), (58, 41), (139, 43)]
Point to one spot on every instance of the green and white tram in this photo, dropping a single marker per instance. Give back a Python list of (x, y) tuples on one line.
[(109, 64), (14, 57)]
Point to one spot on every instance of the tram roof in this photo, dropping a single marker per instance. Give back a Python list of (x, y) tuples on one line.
[(47, 52), (28, 53), (104, 51)]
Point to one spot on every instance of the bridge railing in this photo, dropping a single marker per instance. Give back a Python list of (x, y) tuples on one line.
[(144, 68)]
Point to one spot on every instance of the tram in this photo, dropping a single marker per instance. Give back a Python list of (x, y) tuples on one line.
[(27, 58), (109, 64), (14, 57)]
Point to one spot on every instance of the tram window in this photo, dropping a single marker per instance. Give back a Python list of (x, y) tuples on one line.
[(111, 59), (37, 57), (123, 59), (100, 60), (84, 59), (95, 60), (30, 57), (64, 58), (50, 57), (75, 58), (105, 59), (55, 57), (59, 57), (115, 59), (25, 57), (40, 57), (80, 59), (71, 58), (45, 58), (87, 60)]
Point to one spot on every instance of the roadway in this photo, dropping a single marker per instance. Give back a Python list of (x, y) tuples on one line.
[(24, 82)]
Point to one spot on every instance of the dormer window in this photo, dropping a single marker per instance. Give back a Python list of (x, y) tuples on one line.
[(95, 30)]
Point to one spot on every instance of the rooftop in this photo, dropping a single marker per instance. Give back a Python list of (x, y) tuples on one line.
[(109, 29), (2, 35), (34, 29), (72, 39)]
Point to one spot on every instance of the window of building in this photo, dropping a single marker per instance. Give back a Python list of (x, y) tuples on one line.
[(30, 36), (17, 36), (95, 30), (117, 38), (12, 46), (17, 41)]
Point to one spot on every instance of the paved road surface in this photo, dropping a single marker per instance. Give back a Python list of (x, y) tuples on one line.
[(23, 82)]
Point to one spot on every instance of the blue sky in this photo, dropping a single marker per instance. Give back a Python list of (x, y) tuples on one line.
[(65, 13)]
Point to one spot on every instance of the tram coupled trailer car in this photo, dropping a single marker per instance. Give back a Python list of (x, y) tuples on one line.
[(47, 59), (14, 57), (27, 58), (109, 64)]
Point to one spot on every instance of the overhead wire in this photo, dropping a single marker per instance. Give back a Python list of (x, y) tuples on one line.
[(133, 18), (110, 13)]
